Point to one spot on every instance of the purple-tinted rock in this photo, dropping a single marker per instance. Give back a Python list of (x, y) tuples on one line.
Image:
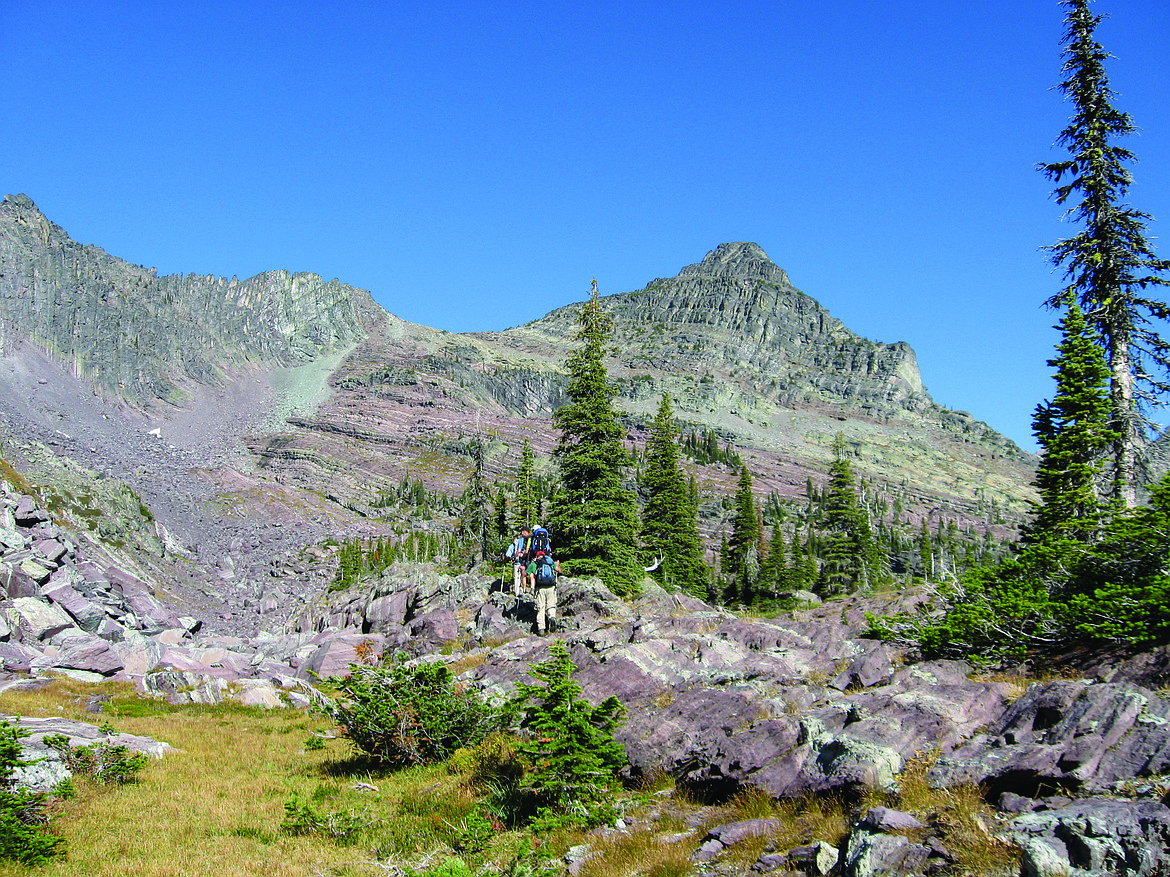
[(17, 658), (17, 583), (334, 655), (885, 819), (42, 620), (52, 550), (1096, 836), (438, 626), (871, 667), (1066, 734), (86, 613), (27, 513), (88, 653)]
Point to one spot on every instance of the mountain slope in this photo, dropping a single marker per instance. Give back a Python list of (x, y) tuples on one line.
[(140, 337), (290, 389)]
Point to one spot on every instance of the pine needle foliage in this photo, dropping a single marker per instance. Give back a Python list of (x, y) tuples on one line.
[(403, 715), (594, 516), (1074, 434), (670, 529), (477, 525), (575, 759), (1110, 264), (22, 813), (743, 567), (524, 507), (851, 558)]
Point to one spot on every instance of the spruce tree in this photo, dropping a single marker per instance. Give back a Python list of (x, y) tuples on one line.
[(851, 556), (594, 516), (1110, 264), (670, 529), (476, 522), (743, 557), (524, 509), (1073, 433), (575, 759)]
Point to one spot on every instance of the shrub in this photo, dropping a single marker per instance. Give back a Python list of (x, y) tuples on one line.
[(105, 762), (405, 715), (575, 759), (302, 818), (22, 813)]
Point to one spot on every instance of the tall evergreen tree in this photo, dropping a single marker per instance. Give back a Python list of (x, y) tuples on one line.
[(476, 522), (669, 519), (744, 561), (1110, 264), (524, 509), (1073, 432), (594, 516), (851, 557)]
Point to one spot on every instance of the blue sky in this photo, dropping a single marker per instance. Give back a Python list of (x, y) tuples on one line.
[(474, 165)]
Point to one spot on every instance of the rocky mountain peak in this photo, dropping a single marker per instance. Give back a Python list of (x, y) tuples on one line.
[(743, 260)]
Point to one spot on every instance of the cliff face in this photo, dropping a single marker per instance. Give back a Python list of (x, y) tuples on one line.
[(311, 386), (140, 337), (738, 309)]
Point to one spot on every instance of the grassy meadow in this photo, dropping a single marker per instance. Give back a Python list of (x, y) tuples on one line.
[(277, 793)]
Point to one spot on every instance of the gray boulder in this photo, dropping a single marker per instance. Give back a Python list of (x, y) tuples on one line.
[(1095, 837), (1070, 734)]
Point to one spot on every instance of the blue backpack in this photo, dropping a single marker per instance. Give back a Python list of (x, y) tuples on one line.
[(539, 541), (546, 572)]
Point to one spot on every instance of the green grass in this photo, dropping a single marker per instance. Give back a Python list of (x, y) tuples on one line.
[(244, 793)]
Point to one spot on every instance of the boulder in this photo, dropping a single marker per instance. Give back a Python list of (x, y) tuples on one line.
[(818, 859), (1067, 734), (42, 620), (870, 854), (85, 612), (1095, 837), (17, 583), (335, 652), (721, 837), (84, 652), (48, 769), (27, 513)]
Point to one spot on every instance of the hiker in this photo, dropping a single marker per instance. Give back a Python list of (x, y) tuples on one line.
[(518, 553), (540, 541), (543, 572)]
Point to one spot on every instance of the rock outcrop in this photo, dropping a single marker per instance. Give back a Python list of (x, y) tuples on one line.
[(142, 337)]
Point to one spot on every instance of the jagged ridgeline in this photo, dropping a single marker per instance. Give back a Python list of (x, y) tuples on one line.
[(744, 354), (141, 337)]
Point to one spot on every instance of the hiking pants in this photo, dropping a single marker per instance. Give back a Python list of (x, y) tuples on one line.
[(546, 607), (517, 578)]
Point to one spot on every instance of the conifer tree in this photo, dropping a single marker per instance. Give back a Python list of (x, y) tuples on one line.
[(670, 529), (851, 559), (594, 515), (524, 509), (1073, 433), (1110, 264), (476, 524), (575, 758), (744, 562), (926, 551), (501, 513), (774, 570)]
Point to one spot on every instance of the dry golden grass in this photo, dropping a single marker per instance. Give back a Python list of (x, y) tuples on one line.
[(215, 806), (960, 813), (212, 807), (638, 852)]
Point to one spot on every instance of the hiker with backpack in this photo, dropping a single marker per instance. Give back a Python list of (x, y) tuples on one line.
[(538, 542), (543, 572), (518, 553)]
